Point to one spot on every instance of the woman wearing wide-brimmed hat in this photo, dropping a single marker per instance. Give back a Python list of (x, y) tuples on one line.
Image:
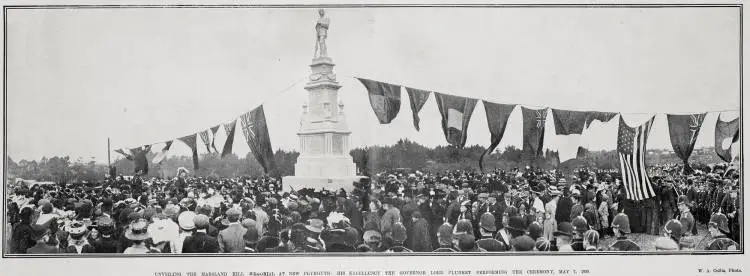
[(107, 242), (78, 242), (137, 233)]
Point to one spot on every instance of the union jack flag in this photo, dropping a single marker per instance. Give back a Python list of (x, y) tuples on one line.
[(696, 120), (248, 126), (631, 148), (256, 133), (541, 116)]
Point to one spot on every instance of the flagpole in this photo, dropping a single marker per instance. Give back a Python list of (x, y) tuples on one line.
[(109, 162)]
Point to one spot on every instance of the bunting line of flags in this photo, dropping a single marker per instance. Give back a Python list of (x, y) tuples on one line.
[(456, 111), (259, 142), (254, 128)]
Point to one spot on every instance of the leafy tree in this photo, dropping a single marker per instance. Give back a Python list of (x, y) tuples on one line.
[(369, 160)]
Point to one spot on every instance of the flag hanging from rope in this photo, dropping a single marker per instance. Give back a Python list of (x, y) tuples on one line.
[(213, 137), (163, 154), (139, 156), (385, 99), (417, 99), (229, 129), (456, 114), (631, 149), (534, 121), (569, 126), (599, 116), (191, 142), (727, 133), (497, 120), (127, 155), (256, 133), (683, 132), (206, 139)]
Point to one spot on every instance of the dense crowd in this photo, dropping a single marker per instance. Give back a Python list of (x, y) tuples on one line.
[(396, 211)]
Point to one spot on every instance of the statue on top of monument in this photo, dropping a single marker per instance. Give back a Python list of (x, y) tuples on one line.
[(321, 29)]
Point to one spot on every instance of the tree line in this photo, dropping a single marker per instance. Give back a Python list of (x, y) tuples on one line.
[(369, 160)]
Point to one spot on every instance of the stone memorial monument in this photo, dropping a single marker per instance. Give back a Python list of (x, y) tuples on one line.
[(324, 160)]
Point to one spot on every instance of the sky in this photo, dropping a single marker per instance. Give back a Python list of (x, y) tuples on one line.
[(76, 77)]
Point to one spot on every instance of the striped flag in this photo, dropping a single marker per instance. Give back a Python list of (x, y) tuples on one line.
[(455, 112), (631, 148)]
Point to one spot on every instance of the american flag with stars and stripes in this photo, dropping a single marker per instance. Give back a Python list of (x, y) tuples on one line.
[(631, 148)]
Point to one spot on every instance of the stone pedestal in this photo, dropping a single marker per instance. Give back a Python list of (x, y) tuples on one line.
[(324, 160)]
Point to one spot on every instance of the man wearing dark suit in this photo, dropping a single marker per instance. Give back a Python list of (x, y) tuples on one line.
[(200, 242), (564, 206), (453, 210), (231, 239), (496, 209), (426, 209), (507, 200)]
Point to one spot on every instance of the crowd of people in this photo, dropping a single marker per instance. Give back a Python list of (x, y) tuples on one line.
[(399, 211)]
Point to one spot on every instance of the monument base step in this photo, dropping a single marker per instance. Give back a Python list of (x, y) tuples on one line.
[(318, 183)]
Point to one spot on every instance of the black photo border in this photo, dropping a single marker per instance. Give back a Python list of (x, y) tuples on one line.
[(6, 8)]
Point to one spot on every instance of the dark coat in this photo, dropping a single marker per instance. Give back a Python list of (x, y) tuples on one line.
[(445, 250), (624, 244), (41, 248), (354, 214), (200, 243), (107, 245), (420, 237), (71, 249), (492, 245), (452, 212), (562, 213), (427, 213), (497, 211), (21, 238)]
